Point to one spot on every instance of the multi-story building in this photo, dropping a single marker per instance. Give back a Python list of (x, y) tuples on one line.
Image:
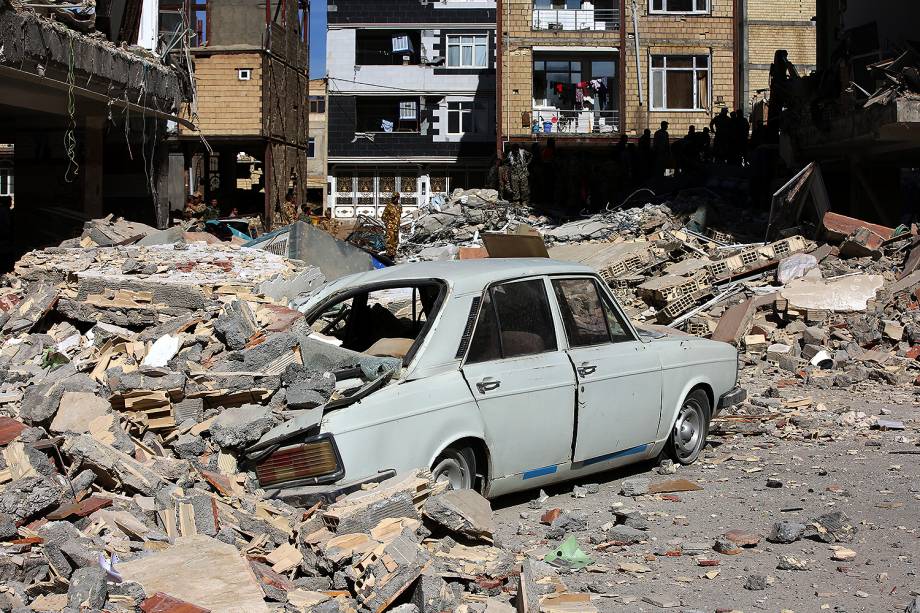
[(768, 25), (680, 65), (317, 170), (586, 71), (251, 74), (560, 70), (411, 101)]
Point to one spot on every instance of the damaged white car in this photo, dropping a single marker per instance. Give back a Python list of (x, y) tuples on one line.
[(500, 375)]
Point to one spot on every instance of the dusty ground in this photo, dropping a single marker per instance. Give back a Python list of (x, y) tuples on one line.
[(825, 464)]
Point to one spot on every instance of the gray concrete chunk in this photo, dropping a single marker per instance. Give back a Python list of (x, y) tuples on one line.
[(238, 427)]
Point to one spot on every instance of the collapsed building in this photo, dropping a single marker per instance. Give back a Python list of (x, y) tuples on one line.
[(859, 113), (249, 144), (87, 110)]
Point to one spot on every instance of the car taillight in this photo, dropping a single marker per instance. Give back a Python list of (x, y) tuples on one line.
[(308, 461)]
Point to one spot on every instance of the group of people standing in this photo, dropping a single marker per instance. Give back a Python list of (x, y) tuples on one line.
[(541, 175)]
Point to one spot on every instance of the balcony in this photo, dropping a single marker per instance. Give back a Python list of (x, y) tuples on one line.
[(576, 20), (562, 123)]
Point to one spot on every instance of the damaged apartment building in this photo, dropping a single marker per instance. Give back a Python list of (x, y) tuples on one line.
[(859, 113), (249, 148), (411, 101), (577, 70), (84, 112), (582, 73)]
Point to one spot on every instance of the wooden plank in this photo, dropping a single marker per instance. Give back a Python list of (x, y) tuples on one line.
[(80, 509)]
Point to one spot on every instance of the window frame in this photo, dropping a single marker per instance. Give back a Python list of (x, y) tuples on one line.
[(605, 297), (348, 293), (692, 71), (563, 304), (6, 179), (665, 11), (311, 147), (552, 309), (317, 104), (477, 112), (459, 37)]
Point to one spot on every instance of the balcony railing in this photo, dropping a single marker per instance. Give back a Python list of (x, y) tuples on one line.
[(554, 122), (576, 20)]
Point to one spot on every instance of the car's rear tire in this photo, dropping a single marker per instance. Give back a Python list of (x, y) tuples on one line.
[(457, 466), (688, 435)]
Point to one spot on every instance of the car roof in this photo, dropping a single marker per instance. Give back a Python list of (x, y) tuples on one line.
[(468, 275)]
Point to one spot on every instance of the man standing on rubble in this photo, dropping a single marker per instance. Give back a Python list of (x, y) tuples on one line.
[(721, 126), (519, 160), (289, 209), (741, 129), (662, 147), (644, 151), (391, 217)]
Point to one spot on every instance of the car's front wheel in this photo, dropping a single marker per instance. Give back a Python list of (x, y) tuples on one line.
[(690, 428), (456, 466)]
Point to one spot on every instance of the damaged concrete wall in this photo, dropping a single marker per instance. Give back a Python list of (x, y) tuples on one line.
[(236, 22), (44, 48)]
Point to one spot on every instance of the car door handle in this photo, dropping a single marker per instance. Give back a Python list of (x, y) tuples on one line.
[(587, 369), (487, 385)]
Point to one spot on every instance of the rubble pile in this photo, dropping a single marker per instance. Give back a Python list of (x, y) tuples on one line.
[(831, 309), (136, 383), (459, 219)]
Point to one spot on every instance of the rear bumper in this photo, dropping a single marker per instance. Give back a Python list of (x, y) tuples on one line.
[(730, 399), (306, 496)]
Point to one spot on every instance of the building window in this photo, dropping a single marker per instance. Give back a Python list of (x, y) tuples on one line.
[(466, 118), (680, 82), (317, 104), (311, 148), (679, 6), (467, 51), (387, 47), (386, 114), (6, 181), (244, 74)]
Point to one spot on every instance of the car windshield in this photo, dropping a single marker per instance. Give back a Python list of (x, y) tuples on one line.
[(385, 322)]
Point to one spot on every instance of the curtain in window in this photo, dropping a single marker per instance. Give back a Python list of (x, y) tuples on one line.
[(702, 89)]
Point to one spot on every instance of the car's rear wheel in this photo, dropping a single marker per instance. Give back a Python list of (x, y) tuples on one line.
[(456, 466), (690, 429)]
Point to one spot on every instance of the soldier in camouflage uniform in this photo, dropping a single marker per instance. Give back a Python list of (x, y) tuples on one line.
[(519, 175), (289, 209), (391, 217)]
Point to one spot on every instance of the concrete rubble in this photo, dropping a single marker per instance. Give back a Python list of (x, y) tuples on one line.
[(133, 377)]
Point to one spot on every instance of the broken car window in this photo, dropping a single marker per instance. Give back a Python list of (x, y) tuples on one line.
[(485, 345), (619, 331), (582, 312), (520, 313), (383, 323)]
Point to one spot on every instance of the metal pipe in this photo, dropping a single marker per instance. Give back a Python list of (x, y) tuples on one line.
[(635, 18)]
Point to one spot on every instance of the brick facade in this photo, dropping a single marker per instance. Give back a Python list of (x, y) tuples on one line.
[(776, 24), (709, 34), (517, 60), (227, 105)]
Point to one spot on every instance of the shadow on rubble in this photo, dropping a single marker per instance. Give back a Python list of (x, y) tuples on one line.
[(639, 469)]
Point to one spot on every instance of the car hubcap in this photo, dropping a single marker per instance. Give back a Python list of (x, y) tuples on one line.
[(454, 472), (687, 431)]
